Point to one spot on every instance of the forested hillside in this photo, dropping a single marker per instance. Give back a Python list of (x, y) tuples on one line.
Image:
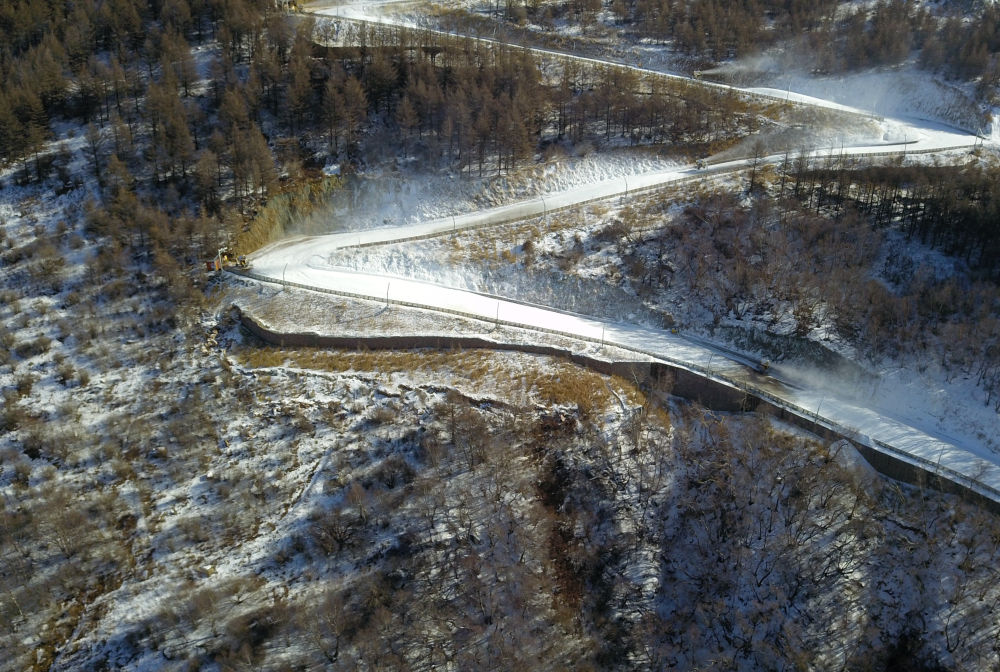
[(197, 104), (827, 36), (177, 494), (201, 111)]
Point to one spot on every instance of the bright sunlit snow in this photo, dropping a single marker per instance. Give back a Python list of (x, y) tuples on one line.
[(306, 261)]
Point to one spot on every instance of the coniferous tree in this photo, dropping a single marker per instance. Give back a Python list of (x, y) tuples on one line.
[(206, 179), (12, 140), (299, 92), (355, 107), (95, 150), (407, 118)]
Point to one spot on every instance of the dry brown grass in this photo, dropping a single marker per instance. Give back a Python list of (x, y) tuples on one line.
[(564, 383), (598, 209), (541, 379), (768, 176), (776, 110), (503, 241), (474, 364), (283, 209)]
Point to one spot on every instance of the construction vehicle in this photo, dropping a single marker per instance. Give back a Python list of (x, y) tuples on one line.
[(224, 257)]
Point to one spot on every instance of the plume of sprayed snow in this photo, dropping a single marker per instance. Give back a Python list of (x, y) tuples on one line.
[(407, 196), (903, 91), (759, 65)]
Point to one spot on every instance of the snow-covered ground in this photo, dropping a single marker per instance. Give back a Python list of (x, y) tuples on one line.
[(402, 209), (302, 262), (382, 197), (182, 493), (306, 261), (889, 127), (905, 92)]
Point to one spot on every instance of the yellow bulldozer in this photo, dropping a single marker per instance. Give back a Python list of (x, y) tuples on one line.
[(224, 258)]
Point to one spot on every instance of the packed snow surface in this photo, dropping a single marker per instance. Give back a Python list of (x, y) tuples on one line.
[(306, 261)]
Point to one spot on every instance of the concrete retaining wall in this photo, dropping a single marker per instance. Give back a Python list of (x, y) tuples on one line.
[(631, 370), (883, 460), (712, 394)]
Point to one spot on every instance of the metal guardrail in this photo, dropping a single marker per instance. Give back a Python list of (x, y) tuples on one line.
[(541, 209), (934, 468), (595, 60), (853, 434), (962, 480), (609, 61)]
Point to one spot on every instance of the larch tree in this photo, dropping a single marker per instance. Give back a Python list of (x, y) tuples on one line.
[(95, 151), (206, 178), (299, 93), (407, 119), (355, 103), (333, 109)]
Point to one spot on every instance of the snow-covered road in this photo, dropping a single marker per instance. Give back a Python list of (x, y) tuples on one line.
[(304, 261), (913, 134), (374, 12)]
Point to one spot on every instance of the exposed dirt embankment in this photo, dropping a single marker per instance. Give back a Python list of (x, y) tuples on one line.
[(679, 382), (712, 394)]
